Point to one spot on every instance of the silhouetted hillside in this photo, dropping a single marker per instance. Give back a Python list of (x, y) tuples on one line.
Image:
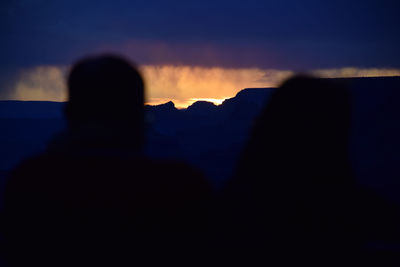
[(201, 107), (206, 135), (211, 137), (31, 109)]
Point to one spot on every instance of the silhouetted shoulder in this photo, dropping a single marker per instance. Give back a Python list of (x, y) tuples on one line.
[(55, 175), (137, 204)]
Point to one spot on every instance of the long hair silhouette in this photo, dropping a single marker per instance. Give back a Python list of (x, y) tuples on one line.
[(293, 189)]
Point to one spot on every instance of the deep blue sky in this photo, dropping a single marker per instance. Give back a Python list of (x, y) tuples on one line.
[(284, 34)]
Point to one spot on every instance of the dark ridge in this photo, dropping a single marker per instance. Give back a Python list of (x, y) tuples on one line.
[(254, 91), (250, 95), (223, 129), (31, 109), (169, 106), (201, 107), (201, 104)]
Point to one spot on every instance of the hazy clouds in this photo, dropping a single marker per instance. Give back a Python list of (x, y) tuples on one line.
[(181, 84), (40, 83)]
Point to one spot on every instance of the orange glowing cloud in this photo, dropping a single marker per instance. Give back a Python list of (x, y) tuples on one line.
[(44, 83), (186, 84), (181, 84)]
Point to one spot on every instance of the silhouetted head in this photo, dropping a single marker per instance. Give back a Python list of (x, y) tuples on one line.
[(316, 111), (294, 186), (305, 126), (105, 90)]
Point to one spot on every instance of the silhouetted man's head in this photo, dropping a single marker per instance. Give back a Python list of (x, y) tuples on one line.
[(306, 126), (316, 111), (105, 90)]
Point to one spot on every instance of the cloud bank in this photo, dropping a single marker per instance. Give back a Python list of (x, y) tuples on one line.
[(44, 83), (181, 84)]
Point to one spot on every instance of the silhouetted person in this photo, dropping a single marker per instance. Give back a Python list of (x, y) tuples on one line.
[(92, 198), (293, 191)]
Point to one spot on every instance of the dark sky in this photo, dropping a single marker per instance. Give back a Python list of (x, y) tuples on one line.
[(283, 34)]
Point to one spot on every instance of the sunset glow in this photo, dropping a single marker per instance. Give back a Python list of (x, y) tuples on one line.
[(183, 85)]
